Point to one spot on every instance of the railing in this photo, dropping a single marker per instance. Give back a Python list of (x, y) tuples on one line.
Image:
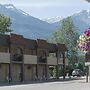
[(52, 61), (30, 59), (60, 61), (4, 57)]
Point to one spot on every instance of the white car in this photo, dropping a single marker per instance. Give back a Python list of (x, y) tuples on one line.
[(77, 72)]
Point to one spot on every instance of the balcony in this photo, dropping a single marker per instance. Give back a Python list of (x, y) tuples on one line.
[(18, 57), (66, 61), (30, 59), (52, 61), (4, 57), (42, 60), (60, 61)]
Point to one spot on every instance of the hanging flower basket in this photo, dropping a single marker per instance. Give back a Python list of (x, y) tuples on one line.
[(84, 41)]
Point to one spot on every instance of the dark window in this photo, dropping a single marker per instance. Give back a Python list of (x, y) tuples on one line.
[(18, 56)]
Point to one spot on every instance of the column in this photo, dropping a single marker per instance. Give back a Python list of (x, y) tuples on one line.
[(57, 67), (47, 72), (89, 73), (64, 65)]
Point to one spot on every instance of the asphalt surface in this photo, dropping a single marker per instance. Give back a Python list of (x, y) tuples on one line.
[(74, 84)]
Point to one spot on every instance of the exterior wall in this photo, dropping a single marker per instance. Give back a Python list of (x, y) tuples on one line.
[(4, 57), (66, 61), (4, 71), (29, 72), (14, 48), (30, 59), (16, 69), (4, 48), (41, 71), (30, 51), (4, 54), (52, 61), (60, 61)]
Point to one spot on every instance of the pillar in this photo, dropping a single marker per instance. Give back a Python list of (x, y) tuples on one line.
[(57, 67), (86, 73), (47, 72), (64, 70), (89, 73)]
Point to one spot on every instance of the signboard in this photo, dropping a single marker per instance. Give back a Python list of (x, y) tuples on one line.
[(87, 63)]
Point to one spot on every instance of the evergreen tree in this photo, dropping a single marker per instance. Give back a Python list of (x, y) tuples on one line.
[(4, 24), (67, 34)]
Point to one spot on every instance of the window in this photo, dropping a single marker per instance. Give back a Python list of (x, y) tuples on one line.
[(18, 56), (52, 54)]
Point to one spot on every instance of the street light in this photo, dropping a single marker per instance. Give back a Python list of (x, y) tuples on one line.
[(87, 57)]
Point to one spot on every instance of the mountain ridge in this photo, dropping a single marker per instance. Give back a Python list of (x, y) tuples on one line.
[(31, 27), (80, 19), (37, 28)]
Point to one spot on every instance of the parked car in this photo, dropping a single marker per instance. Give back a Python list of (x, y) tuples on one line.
[(77, 72)]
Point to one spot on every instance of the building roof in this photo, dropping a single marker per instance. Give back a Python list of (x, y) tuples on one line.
[(52, 47), (17, 39), (42, 43), (29, 43), (32, 44), (62, 47)]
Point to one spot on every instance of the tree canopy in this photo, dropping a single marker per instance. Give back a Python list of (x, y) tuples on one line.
[(67, 34), (5, 24)]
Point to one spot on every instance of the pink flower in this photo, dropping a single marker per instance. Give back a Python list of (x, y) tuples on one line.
[(87, 32), (84, 41)]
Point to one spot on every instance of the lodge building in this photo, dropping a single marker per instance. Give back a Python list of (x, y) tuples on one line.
[(23, 59)]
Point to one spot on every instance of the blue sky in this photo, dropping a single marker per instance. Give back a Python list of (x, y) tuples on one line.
[(49, 8)]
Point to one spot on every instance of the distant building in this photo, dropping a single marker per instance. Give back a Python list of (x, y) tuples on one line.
[(23, 59)]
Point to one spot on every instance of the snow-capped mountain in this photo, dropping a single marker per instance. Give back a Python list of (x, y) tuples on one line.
[(31, 27), (80, 19), (23, 23), (53, 19)]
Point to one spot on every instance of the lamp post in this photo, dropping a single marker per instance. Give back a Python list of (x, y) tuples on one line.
[(87, 57)]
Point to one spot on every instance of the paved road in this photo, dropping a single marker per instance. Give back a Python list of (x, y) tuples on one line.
[(59, 85)]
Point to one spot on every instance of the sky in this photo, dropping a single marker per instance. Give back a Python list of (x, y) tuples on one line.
[(49, 8)]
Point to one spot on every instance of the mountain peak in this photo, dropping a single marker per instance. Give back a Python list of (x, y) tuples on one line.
[(53, 19), (10, 6), (25, 24), (83, 12)]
